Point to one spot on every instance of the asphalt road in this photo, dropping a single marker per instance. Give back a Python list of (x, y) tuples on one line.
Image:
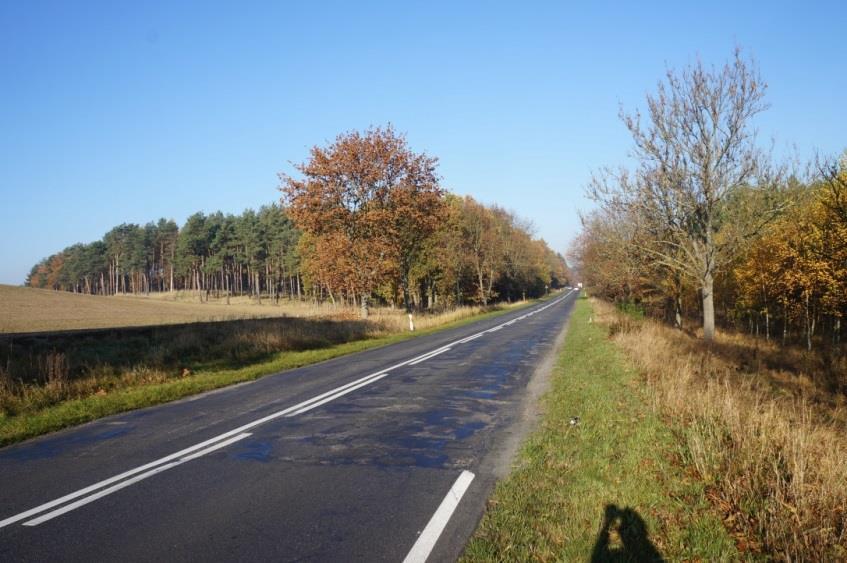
[(377, 456)]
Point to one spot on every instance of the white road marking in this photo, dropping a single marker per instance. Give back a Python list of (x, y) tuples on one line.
[(132, 481), (469, 338), (333, 397), (109, 481), (146, 466), (222, 440), (423, 356), (430, 355), (426, 541)]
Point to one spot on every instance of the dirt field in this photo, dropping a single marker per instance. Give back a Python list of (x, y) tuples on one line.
[(23, 309)]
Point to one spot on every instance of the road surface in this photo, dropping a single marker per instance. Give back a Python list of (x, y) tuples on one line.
[(384, 455)]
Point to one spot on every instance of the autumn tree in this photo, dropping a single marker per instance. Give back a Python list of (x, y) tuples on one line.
[(760, 279), (606, 254), (798, 268), (367, 203)]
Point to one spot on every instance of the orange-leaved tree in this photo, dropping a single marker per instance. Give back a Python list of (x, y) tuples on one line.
[(367, 203)]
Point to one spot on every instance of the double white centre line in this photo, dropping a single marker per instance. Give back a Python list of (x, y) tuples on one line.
[(430, 355), (133, 480), (98, 490)]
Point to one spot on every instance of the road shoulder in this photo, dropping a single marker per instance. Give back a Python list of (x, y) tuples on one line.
[(602, 485)]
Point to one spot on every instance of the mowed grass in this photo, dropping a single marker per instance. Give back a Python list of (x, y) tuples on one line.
[(24, 309), (51, 382), (608, 488)]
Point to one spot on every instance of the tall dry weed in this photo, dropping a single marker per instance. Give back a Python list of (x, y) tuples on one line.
[(394, 321), (8, 394), (55, 369), (772, 453)]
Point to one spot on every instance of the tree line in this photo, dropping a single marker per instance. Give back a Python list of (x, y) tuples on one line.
[(252, 253), (706, 225), (365, 220)]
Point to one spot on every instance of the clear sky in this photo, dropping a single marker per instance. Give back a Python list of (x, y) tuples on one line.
[(129, 111)]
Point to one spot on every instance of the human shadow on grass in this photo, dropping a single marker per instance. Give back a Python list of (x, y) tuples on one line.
[(623, 537)]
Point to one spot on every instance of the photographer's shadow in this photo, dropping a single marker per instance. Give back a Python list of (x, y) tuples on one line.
[(623, 537)]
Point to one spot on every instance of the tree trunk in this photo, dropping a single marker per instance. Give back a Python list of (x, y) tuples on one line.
[(364, 311), (784, 323), (482, 296), (767, 326), (406, 303), (489, 290), (808, 326), (708, 307)]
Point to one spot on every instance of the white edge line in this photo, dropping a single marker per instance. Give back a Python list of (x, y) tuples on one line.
[(82, 502), (426, 541)]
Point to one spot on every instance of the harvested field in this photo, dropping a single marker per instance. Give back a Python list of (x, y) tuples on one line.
[(24, 309)]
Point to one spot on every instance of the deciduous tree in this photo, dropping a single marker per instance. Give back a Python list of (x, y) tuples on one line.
[(695, 153), (368, 202)]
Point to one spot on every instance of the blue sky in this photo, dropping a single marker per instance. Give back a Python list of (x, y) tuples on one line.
[(130, 111)]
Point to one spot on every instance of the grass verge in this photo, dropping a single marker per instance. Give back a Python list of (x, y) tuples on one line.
[(606, 488), (132, 391)]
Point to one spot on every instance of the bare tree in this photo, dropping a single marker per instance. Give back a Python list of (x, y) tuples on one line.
[(697, 156)]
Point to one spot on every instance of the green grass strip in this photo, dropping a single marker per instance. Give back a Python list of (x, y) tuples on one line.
[(78, 411), (606, 488)]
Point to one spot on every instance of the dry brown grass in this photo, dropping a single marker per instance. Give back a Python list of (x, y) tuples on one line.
[(767, 437), (393, 320)]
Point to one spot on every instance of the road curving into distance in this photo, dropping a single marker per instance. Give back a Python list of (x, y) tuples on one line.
[(384, 455)]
